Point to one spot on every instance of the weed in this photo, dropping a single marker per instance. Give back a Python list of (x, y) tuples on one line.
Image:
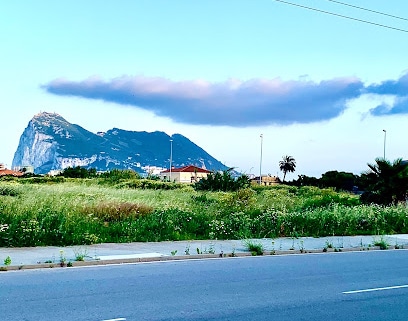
[(301, 246), (7, 261), (211, 249), (80, 254), (397, 245), (273, 252), (329, 245), (382, 243), (69, 264), (173, 253), (9, 190), (65, 211), (117, 211), (62, 258), (187, 250), (256, 248)]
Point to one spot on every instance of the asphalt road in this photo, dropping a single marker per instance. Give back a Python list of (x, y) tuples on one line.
[(293, 287)]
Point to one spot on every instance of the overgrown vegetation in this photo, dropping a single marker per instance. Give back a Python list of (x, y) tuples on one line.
[(222, 181), (69, 211), (386, 182)]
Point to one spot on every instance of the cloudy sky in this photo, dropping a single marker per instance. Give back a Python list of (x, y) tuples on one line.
[(319, 79)]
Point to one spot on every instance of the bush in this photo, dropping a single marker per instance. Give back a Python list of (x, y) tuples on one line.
[(222, 181), (149, 184), (115, 176), (9, 190)]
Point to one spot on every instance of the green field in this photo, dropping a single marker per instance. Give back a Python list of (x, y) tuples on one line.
[(60, 212)]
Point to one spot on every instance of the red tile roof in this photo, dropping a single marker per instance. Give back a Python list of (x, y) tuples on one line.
[(4, 172), (187, 169)]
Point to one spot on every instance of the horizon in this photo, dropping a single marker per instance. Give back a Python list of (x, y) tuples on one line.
[(316, 86)]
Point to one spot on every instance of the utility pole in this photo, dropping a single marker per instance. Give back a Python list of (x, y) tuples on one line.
[(260, 162), (385, 137), (171, 156)]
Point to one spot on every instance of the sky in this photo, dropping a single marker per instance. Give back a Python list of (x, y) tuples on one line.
[(323, 81)]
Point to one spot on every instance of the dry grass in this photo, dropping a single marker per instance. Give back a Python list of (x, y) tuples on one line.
[(117, 211)]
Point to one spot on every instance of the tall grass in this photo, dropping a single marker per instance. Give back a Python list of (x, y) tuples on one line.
[(83, 211)]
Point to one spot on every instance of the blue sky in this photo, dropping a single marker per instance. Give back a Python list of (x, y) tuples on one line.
[(319, 87)]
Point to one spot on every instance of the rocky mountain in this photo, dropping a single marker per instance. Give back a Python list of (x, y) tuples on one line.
[(51, 143)]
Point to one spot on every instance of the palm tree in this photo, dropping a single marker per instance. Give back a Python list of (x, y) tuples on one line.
[(287, 164), (385, 182)]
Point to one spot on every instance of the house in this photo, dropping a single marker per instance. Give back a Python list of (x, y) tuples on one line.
[(9, 172), (266, 180), (186, 174)]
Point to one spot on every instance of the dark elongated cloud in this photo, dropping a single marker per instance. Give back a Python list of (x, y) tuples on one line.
[(397, 88), (232, 103)]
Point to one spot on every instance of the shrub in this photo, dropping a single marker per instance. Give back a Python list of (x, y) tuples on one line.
[(222, 181), (9, 190), (149, 184)]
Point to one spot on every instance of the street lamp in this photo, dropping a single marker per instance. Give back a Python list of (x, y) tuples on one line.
[(171, 156), (260, 163), (385, 137)]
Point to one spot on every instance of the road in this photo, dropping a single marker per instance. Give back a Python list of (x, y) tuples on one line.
[(293, 287)]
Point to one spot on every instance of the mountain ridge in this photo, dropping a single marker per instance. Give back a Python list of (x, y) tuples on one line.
[(49, 142)]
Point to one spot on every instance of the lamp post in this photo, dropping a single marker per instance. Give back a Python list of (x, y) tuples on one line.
[(385, 137), (171, 156), (260, 162)]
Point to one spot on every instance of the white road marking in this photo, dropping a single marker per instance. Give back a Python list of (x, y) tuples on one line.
[(377, 289), (118, 319)]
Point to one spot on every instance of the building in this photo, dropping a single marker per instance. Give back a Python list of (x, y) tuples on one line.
[(24, 169), (266, 180), (9, 172), (186, 174)]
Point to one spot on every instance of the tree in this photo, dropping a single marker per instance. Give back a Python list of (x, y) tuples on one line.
[(304, 180), (287, 164), (385, 182), (222, 181), (338, 180)]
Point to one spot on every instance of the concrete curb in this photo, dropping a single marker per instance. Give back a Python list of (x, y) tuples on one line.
[(182, 257)]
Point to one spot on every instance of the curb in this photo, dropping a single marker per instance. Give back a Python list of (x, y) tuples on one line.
[(183, 257)]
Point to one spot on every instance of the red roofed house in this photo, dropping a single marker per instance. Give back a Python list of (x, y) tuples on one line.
[(5, 172), (186, 174)]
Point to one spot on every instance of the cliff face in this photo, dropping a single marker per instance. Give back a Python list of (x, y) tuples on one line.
[(50, 143)]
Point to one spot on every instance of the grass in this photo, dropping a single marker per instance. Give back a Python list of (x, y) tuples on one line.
[(381, 242), (78, 212), (255, 247)]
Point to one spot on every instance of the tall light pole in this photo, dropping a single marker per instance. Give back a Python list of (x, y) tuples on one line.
[(171, 156), (260, 162), (385, 137)]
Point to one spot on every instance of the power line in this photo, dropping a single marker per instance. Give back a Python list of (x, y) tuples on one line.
[(361, 8), (342, 16)]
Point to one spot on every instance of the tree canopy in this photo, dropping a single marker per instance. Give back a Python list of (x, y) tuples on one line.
[(287, 164), (385, 182)]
